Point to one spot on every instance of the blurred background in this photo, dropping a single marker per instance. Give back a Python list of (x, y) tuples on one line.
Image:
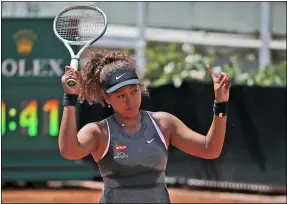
[(171, 42)]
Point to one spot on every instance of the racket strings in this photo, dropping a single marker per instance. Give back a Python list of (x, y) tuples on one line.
[(80, 25)]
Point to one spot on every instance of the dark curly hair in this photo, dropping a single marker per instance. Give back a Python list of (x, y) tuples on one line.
[(98, 66)]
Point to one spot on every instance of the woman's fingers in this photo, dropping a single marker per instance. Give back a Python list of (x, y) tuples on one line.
[(211, 74)]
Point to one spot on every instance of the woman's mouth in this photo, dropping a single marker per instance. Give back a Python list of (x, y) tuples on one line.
[(131, 108)]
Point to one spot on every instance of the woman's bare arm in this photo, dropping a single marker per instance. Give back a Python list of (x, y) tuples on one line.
[(209, 146), (191, 142), (75, 145)]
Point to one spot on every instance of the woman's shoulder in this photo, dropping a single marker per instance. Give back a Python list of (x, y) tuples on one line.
[(98, 127), (160, 115), (163, 119)]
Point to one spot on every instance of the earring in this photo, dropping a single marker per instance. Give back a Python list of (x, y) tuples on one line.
[(109, 105)]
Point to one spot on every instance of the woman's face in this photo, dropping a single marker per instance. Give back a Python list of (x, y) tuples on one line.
[(126, 101)]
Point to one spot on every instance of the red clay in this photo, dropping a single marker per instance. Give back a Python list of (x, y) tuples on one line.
[(93, 196)]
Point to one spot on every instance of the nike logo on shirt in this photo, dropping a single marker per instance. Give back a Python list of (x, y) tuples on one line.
[(149, 141)]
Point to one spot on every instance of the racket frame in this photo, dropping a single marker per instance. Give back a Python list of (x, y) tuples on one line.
[(75, 57)]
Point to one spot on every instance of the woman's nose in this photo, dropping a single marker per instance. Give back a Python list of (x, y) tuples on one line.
[(129, 101)]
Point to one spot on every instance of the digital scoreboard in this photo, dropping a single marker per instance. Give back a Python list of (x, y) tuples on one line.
[(30, 115), (28, 118)]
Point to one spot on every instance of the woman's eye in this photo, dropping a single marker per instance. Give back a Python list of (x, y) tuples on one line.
[(134, 91), (120, 96)]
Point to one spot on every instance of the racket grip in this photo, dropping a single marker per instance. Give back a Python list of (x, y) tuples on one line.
[(74, 64)]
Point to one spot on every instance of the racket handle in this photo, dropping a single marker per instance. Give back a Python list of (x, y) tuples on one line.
[(74, 64)]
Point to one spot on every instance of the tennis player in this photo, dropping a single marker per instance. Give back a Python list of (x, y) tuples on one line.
[(131, 146)]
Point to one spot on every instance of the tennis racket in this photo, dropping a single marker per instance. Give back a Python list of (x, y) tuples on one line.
[(79, 26)]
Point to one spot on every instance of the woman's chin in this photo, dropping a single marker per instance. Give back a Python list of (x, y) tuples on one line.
[(131, 112)]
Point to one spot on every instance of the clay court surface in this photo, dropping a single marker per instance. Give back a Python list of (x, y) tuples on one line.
[(93, 195)]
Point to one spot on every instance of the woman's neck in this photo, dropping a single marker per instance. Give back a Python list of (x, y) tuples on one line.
[(128, 121)]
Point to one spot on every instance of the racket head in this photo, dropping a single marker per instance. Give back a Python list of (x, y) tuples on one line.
[(80, 25)]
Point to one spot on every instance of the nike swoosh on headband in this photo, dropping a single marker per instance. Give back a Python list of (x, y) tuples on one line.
[(118, 77)]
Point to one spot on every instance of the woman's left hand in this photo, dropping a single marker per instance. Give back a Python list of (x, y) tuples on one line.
[(221, 85)]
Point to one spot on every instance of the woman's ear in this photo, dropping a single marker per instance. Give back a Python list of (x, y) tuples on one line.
[(107, 100), (104, 96)]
